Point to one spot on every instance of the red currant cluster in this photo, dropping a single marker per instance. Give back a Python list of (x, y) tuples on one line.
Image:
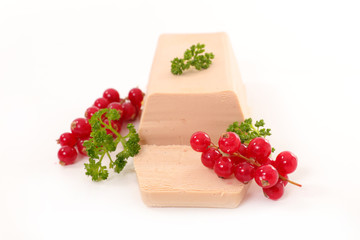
[(246, 162), (128, 108)]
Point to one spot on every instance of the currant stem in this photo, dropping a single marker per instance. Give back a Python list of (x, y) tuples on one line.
[(123, 100), (249, 160), (288, 180), (213, 146), (253, 162)]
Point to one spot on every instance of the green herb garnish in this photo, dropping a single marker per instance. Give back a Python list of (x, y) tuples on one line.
[(192, 57), (247, 131), (102, 143)]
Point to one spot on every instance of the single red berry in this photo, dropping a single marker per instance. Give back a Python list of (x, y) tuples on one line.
[(200, 141), (229, 142), (275, 192), (90, 112), (236, 159), (243, 150), (244, 172), (266, 176), (136, 96), (81, 148), (111, 95), (67, 155), (118, 124), (81, 127), (129, 111), (286, 162), (118, 106), (259, 148), (67, 139), (101, 103), (266, 161), (223, 167), (209, 157), (284, 182)]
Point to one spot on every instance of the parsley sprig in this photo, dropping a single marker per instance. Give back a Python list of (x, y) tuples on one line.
[(101, 144), (192, 57), (248, 131)]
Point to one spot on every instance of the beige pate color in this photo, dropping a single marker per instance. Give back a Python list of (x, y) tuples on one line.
[(169, 172), (178, 105), (173, 176)]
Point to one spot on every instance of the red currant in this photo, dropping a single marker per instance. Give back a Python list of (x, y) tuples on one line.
[(266, 161), (266, 176), (275, 192), (284, 182), (118, 106), (259, 148), (129, 111), (286, 162), (67, 155), (118, 124), (90, 112), (223, 167), (81, 148), (136, 96), (236, 159), (244, 172), (200, 141), (111, 95), (81, 128), (67, 139), (229, 142), (209, 157), (243, 150), (101, 103)]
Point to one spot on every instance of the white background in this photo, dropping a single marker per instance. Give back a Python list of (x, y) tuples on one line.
[(300, 63)]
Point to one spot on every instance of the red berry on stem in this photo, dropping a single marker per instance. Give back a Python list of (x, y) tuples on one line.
[(209, 156), (101, 103), (223, 167), (236, 159), (266, 176), (81, 148), (81, 128), (268, 160), (67, 155), (286, 162), (284, 182), (200, 141), (229, 142), (111, 95), (90, 112), (243, 150), (136, 96), (118, 106), (244, 172), (67, 139), (129, 111), (259, 148), (275, 192)]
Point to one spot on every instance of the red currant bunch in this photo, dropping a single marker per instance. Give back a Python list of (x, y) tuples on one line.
[(246, 161), (128, 107)]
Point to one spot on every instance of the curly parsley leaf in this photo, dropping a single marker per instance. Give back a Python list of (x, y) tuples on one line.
[(131, 148), (194, 56), (248, 131), (96, 170), (102, 143)]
